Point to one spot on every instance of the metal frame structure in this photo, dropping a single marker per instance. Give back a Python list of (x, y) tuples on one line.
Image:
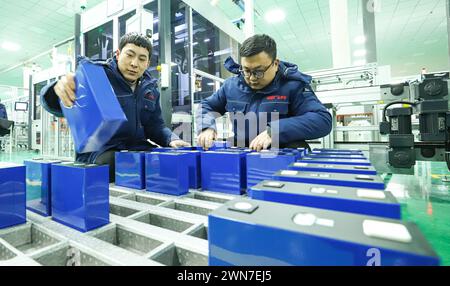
[(146, 229)]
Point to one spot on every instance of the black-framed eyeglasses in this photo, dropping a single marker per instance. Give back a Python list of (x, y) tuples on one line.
[(258, 74)]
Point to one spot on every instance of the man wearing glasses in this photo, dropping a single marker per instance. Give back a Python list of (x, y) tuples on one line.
[(275, 99)]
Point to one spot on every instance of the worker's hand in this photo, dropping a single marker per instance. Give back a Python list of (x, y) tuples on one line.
[(179, 144), (65, 89), (262, 142), (206, 138)]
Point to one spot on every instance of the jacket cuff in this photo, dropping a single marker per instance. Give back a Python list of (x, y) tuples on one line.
[(50, 101)]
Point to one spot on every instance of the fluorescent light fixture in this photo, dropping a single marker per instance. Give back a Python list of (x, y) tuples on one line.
[(360, 63), (360, 40), (10, 46), (275, 16), (360, 53)]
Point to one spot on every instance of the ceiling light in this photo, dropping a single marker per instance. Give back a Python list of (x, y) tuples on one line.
[(10, 46), (275, 16), (360, 40), (214, 2), (360, 53)]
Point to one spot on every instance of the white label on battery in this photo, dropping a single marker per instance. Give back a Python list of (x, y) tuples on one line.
[(243, 206), (314, 175), (300, 164), (333, 192), (364, 177), (324, 175), (289, 173), (325, 222), (4, 165), (318, 190), (358, 161), (305, 219), (386, 230), (273, 185), (371, 194)]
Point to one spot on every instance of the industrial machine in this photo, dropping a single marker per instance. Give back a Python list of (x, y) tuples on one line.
[(429, 100)]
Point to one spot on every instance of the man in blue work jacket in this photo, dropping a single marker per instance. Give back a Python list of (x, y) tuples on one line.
[(137, 94), (275, 98)]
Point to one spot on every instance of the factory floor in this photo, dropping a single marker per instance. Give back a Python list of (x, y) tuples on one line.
[(425, 199), (17, 157)]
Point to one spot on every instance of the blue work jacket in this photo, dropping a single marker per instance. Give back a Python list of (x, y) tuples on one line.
[(301, 116)]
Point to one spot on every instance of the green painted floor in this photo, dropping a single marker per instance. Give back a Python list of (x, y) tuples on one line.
[(425, 200)]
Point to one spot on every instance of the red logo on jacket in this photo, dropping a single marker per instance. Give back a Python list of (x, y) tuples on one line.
[(149, 96), (277, 97)]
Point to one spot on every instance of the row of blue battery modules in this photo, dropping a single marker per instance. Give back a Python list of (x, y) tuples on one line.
[(325, 207)]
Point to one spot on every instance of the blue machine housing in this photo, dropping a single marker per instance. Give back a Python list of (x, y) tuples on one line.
[(331, 179), (224, 172), (256, 233), (130, 169), (83, 202), (345, 199), (167, 173), (351, 162), (12, 195), (262, 166), (96, 114), (39, 187), (331, 168)]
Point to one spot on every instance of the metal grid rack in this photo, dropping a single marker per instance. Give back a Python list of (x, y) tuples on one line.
[(146, 229)]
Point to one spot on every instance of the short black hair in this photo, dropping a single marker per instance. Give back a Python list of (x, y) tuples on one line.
[(257, 44), (137, 39)]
